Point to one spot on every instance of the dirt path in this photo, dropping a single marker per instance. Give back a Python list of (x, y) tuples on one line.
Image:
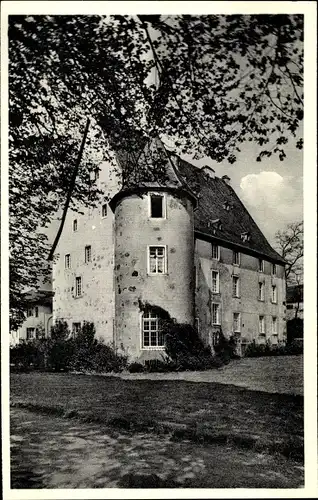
[(276, 374), (51, 452)]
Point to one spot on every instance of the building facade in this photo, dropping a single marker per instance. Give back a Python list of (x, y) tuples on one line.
[(185, 249), (39, 319)]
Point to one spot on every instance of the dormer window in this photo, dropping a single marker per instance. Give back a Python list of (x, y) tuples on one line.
[(227, 206), (157, 206), (216, 225), (245, 236)]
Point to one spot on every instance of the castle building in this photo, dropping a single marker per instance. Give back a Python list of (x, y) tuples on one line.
[(184, 248)]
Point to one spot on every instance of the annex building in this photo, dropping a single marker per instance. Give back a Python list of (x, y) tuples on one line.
[(185, 247)]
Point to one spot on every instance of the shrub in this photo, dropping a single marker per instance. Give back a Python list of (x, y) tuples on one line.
[(188, 352), (135, 368), (295, 329), (254, 350), (61, 348), (160, 365), (107, 359)]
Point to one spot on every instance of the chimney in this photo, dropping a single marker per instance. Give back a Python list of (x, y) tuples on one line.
[(226, 179), (209, 171)]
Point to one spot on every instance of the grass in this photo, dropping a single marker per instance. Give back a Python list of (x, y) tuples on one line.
[(200, 412)]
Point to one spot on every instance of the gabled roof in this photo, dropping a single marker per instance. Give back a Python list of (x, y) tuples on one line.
[(43, 297), (217, 200), (219, 214)]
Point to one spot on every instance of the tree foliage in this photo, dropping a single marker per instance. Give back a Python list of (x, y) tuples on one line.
[(205, 83), (290, 245)]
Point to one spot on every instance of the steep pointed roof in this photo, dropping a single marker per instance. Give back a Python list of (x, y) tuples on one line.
[(151, 167)]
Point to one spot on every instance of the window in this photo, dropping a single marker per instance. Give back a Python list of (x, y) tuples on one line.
[(235, 283), (215, 314), (274, 269), (30, 333), (157, 260), (29, 312), (274, 294), (157, 206), (76, 327), (75, 225), (104, 210), (289, 306), (36, 310), (261, 265), (236, 258), (215, 251), (274, 325), (261, 324), (78, 286), (152, 335), (261, 291), (236, 322), (67, 261), (215, 282), (88, 253)]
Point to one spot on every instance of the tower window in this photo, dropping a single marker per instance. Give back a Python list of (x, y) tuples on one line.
[(157, 206), (36, 310), (152, 336), (88, 253), (75, 226), (78, 286), (67, 261), (261, 265), (104, 210), (274, 269), (157, 260)]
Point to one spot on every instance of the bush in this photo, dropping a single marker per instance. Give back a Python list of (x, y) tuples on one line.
[(135, 368), (254, 350), (295, 329), (160, 365), (62, 353), (61, 348), (187, 351), (107, 359)]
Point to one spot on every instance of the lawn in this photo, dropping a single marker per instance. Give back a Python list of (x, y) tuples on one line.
[(204, 412)]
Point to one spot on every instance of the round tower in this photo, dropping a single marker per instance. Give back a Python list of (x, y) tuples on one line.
[(153, 266)]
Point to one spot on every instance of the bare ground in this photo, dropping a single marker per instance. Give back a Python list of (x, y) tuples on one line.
[(52, 452)]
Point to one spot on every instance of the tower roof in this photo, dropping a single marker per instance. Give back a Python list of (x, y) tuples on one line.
[(220, 215)]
